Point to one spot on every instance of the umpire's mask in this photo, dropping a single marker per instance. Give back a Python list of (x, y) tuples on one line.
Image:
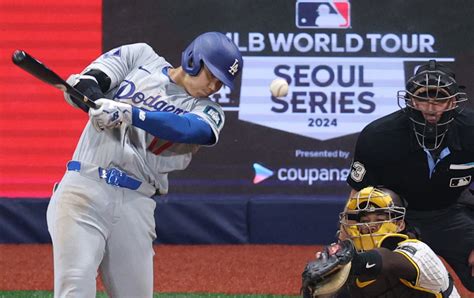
[(432, 100)]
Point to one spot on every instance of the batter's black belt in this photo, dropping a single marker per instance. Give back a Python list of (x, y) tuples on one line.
[(111, 176)]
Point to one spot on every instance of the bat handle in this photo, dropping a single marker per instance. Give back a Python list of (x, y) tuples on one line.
[(91, 104), (18, 56)]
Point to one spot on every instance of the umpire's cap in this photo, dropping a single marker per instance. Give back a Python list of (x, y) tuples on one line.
[(433, 75)]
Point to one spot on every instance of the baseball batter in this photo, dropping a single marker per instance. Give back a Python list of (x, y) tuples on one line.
[(152, 119)]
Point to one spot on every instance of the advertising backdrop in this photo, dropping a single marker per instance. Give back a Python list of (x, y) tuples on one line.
[(344, 61), (38, 129)]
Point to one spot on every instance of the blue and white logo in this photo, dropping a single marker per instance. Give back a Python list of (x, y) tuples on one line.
[(322, 14)]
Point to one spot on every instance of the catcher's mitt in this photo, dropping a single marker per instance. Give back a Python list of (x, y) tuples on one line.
[(329, 272)]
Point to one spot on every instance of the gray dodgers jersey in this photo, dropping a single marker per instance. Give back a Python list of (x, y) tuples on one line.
[(137, 78)]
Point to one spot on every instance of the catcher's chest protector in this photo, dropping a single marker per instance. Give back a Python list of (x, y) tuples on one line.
[(385, 286)]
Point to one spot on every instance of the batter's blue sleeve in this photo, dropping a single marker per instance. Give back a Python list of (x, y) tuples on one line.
[(188, 128)]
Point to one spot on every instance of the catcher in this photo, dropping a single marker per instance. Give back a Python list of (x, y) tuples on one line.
[(375, 256)]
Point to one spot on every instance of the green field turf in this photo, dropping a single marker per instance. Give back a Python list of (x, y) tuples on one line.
[(46, 294)]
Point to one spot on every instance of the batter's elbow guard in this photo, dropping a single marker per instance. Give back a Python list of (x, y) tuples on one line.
[(87, 85), (101, 78)]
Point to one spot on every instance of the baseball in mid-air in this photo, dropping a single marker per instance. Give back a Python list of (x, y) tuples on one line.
[(279, 87)]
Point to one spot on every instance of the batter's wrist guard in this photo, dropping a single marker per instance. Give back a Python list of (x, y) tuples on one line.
[(367, 263)]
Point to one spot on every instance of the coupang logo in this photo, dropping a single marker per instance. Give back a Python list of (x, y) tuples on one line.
[(261, 173), (338, 80), (307, 176)]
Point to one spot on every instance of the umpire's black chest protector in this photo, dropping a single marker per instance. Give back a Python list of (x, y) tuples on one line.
[(392, 158)]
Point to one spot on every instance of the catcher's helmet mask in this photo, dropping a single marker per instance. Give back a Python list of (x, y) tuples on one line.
[(220, 55), (371, 200), (435, 84)]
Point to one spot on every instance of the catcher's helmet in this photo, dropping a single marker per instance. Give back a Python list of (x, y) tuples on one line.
[(435, 84), (388, 221), (218, 53)]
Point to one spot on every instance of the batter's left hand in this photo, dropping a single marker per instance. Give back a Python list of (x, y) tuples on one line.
[(110, 114)]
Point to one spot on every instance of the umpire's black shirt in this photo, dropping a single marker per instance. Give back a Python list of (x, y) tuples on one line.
[(387, 154)]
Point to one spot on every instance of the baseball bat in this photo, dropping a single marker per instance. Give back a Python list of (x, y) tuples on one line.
[(42, 72)]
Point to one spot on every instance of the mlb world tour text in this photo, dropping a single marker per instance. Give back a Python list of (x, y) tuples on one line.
[(314, 98), (255, 42)]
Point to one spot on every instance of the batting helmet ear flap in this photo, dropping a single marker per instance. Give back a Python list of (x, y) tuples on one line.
[(192, 66), (190, 62)]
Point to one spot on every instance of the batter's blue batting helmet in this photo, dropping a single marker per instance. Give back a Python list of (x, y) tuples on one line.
[(218, 53)]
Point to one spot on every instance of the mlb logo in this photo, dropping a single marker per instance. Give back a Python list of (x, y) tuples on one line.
[(323, 14), (461, 181)]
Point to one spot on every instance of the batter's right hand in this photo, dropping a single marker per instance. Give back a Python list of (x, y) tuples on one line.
[(110, 114)]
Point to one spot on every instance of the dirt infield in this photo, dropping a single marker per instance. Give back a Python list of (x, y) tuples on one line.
[(231, 269)]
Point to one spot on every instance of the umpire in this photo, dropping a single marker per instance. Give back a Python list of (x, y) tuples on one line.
[(425, 153)]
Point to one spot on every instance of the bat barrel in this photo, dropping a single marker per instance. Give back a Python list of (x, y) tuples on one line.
[(42, 72)]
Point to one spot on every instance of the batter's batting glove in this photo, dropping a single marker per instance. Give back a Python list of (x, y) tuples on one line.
[(329, 272), (110, 114)]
